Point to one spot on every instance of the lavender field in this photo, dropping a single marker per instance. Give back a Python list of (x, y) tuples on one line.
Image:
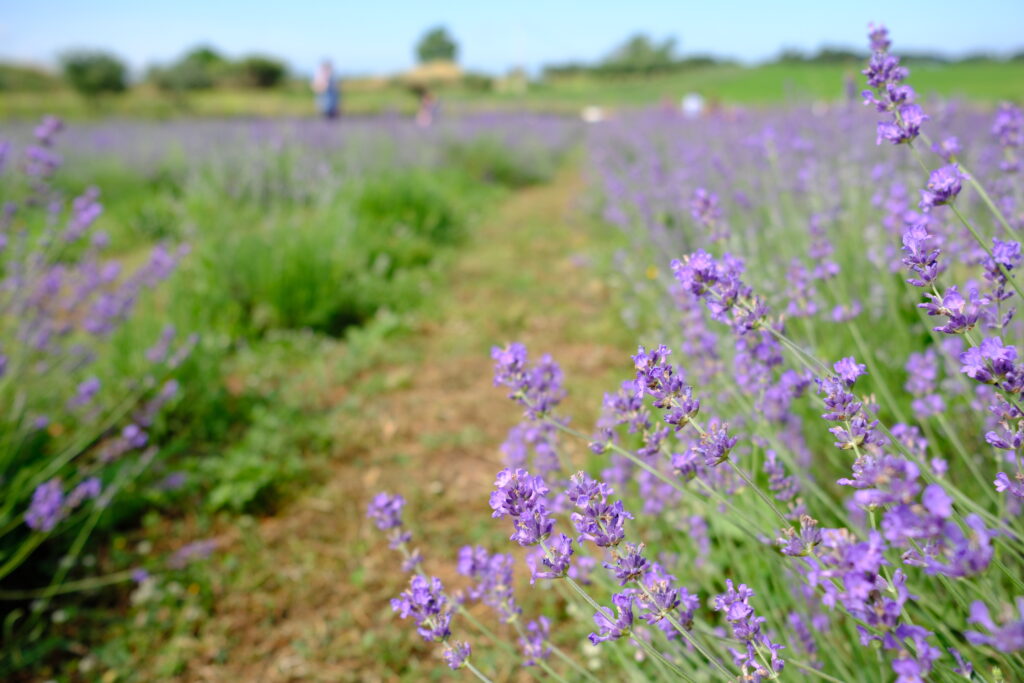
[(730, 396)]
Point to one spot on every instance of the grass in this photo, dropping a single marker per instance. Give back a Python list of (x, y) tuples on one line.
[(984, 82)]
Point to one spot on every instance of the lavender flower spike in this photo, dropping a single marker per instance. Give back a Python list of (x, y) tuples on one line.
[(427, 604), (47, 506), (535, 641), (609, 628), (386, 512)]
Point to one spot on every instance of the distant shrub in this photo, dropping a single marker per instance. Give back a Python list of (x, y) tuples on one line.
[(260, 71), (334, 270), (407, 207), (478, 82), (93, 73)]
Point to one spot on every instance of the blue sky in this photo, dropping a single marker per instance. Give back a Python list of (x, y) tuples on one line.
[(377, 36)]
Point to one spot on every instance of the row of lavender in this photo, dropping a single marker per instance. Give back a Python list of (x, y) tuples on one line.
[(103, 366), (308, 160), (822, 475), (81, 389)]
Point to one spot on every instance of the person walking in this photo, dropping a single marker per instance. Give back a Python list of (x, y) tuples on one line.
[(328, 94)]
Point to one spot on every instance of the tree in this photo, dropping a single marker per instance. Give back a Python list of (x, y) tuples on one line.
[(198, 69), (93, 72), (640, 54), (436, 45)]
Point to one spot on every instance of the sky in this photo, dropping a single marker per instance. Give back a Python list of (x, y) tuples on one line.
[(378, 36)]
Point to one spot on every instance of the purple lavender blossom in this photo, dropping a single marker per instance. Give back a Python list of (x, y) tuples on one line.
[(657, 378), (1015, 488), (1008, 129), (386, 511), (521, 496), (943, 186), (47, 130), (598, 521), (516, 492), (705, 209), (583, 489), (889, 94), (912, 666), (715, 444), (718, 283), (456, 653), (47, 506), (556, 558), (601, 523), (493, 576), (619, 625), (429, 607), (848, 370), (922, 377), (1008, 637), (534, 642), (948, 149), (962, 315), (85, 392), (803, 542), (538, 387), (85, 210), (990, 362), (630, 563), (662, 599), (806, 639), (88, 489), (746, 626), (879, 36)]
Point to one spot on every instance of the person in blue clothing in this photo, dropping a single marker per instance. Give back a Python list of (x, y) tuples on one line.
[(328, 94)]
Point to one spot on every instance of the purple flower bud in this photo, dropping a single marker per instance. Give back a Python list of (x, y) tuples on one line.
[(879, 36), (848, 370), (943, 186), (88, 489), (1014, 488), (583, 490), (456, 653), (427, 604), (47, 506), (630, 563), (534, 642), (601, 523), (386, 511), (1009, 637), (619, 625), (516, 492)]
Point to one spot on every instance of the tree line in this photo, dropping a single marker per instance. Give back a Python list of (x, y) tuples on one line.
[(642, 55), (94, 73)]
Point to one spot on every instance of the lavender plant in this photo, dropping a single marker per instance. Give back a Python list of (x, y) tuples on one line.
[(82, 388), (824, 480)]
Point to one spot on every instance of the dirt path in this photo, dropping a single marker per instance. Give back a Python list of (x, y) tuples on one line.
[(311, 599)]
